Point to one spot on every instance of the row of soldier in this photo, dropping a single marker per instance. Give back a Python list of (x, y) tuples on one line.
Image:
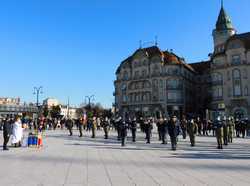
[(223, 128)]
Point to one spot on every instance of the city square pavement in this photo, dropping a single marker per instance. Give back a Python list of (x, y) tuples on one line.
[(73, 161)]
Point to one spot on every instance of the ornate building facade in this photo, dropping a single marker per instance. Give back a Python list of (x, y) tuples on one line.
[(230, 69), (155, 82)]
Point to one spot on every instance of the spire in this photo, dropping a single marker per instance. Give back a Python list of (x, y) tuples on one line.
[(223, 21)]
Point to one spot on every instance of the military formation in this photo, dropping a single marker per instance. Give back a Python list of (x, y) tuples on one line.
[(223, 128), (169, 128)]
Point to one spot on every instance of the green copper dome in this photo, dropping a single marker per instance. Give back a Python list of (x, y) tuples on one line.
[(223, 22)]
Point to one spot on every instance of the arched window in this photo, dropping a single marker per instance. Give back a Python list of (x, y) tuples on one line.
[(237, 82)]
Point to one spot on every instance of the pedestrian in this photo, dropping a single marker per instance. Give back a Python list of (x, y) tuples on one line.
[(173, 132), (192, 129), (7, 130), (17, 132)]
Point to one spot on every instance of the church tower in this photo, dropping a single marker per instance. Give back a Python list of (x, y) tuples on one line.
[(224, 29)]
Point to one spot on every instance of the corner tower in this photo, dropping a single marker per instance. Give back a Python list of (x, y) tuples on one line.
[(224, 29)]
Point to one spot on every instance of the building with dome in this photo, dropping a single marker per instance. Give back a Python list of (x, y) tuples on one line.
[(156, 82), (230, 69)]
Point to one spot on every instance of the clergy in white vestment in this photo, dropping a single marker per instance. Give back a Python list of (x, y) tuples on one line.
[(17, 132)]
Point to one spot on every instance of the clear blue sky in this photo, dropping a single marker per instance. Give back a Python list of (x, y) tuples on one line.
[(73, 47)]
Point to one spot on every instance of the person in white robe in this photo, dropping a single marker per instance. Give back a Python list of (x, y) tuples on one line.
[(17, 132)]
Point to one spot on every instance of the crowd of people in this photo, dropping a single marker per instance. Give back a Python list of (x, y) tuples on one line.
[(223, 128)]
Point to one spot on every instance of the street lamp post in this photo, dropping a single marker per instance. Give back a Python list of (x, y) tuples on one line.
[(37, 92), (89, 99)]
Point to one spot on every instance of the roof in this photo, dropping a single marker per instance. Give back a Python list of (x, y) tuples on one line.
[(168, 57), (201, 67), (223, 21), (244, 37), (171, 58)]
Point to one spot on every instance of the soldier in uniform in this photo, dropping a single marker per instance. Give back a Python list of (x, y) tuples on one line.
[(243, 127), (69, 124), (199, 123), (105, 126), (192, 130), (237, 127), (230, 129), (225, 130), (159, 129), (93, 127), (219, 132), (173, 131), (80, 126), (148, 127), (7, 130), (123, 128), (184, 127), (163, 130), (133, 127)]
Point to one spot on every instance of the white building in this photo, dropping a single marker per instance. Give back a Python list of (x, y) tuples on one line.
[(68, 112), (50, 102)]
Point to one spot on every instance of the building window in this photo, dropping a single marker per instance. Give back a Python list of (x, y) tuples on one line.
[(161, 83), (237, 82), (236, 60), (217, 92), (124, 87), (155, 83), (125, 75), (137, 74), (173, 83), (124, 98), (144, 73), (228, 76), (245, 73), (174, 96), (229, 92), (246, 90)]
